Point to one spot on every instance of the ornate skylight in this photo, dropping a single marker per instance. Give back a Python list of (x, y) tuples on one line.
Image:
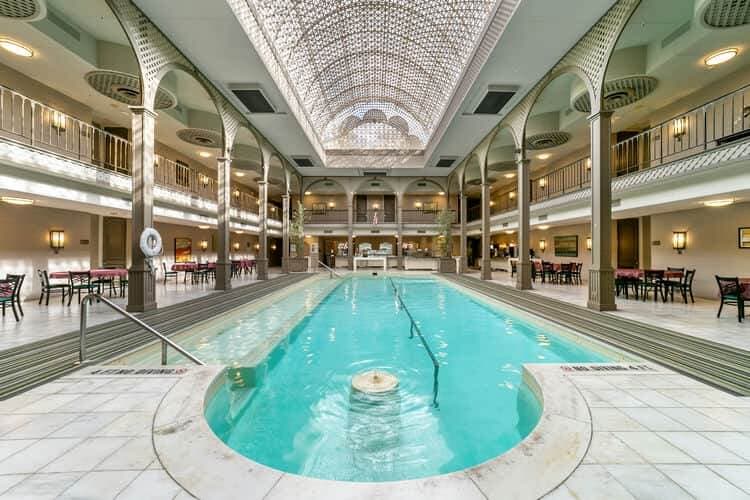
[(372, 74)]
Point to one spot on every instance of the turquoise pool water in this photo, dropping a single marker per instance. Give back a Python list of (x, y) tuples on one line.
[(300, 415)]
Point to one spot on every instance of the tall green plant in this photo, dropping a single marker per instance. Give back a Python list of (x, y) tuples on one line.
[(443, 241), (297, 230)]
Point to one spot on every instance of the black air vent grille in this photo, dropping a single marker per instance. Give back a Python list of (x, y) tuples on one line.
[(445, 162), (302, 161), (374, 173), (493, 102), (254, 101)]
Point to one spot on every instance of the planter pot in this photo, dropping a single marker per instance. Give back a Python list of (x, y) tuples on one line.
[(297, 264), (447, 265)]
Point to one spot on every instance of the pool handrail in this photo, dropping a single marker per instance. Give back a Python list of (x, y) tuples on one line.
[(331, 272), (164, 340), (414, 327)]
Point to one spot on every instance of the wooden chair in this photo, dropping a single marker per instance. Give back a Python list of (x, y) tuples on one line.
[(731, 294), (48, 289), (17, 295), (652, 280), (9, 294), (168, 274), (80, 280)]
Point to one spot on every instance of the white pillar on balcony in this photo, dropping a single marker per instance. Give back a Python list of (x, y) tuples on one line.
[(141, 276), (262, 258), (462, 229), (486, 237), (285, 233), (223, 260), (350, 241), (400, 229), (523, 275), (601, 274)]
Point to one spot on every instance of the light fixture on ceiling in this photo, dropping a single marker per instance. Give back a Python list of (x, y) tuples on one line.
[(441, 193), (544, 156), (204, 154), (510, 231), (240, 232), (544, 227), (203, 226), (12, 200), (308, 193), (15, 48), (721, 57), (719, 203), (239, 174), (509, 175)]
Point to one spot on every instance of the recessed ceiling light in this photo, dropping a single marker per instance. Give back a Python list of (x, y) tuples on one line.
[(509, 175), (204, 154), (16, 201), (441, 193), (719, 203), (308, 193), (721, 57), (203, 226), (544, 227), (240, 174), (544, 156), (509, 232), (239, 232), (16, 48)]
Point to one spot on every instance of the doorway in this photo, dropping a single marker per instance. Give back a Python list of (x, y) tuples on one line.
[(627, 243), (114, 241), (473, 251)]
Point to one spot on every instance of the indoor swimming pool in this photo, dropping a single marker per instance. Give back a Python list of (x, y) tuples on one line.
[(296, 411)]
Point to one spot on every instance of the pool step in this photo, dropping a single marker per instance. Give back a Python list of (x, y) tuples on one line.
[(29, 365), (710, 362)]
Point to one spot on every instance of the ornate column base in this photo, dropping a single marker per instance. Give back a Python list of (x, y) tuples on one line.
[(141, 290), (601, 290), (261, 267), (223, 276), (486, 269), (285, 265), (523, 275)]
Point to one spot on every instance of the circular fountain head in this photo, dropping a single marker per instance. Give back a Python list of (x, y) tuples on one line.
[(374, 382)]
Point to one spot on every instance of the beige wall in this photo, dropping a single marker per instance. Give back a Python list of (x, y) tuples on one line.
[(712, 246)]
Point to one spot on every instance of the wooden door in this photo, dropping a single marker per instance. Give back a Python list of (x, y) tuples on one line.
[(627, 243), (114, 239)]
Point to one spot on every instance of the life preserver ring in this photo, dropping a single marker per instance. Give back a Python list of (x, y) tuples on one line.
[(150, 242)]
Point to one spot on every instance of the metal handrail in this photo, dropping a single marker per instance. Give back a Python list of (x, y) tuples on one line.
[(164, 340), (331, 271), (414, 327)]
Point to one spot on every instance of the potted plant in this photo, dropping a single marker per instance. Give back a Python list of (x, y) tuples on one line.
[(444, 241), (297, 261)]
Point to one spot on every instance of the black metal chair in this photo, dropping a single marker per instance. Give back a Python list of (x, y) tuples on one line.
[(168, 274), (731, 290), (565, 274), (9, 294), (17, 295), (105, 282), (548, 272), (80, 280), (513, 268), (652, 280), (122, 284), (684, 285), (49, 288), (576, 273)]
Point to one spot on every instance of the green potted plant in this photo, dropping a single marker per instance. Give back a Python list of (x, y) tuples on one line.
[(444, 241), (297, 260)]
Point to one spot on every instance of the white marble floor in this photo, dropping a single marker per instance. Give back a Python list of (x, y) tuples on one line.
[(697, 319), (41, 322)]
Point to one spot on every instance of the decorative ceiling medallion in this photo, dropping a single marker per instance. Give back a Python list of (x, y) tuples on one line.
[(23, 10), (126, 88), (547, 140), (200, 137), (619, 92), (373, 74), (727, 13), (503, 166)]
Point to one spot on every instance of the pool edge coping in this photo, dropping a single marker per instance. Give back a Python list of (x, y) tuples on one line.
[(206, 467)]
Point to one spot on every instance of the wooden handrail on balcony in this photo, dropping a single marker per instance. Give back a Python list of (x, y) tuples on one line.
[(31, 122), (420, 216), (326, 216)]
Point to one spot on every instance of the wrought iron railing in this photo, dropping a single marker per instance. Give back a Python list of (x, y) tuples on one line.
[(374, 217), (326, 216), (422, 216)]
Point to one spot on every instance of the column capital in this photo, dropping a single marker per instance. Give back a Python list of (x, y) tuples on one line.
[(285, 196), (606, 114), (222, 159), (262, 183), (142, 110)]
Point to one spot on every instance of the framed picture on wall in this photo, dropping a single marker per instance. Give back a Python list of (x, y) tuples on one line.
[(566, 246), (183, 249), (743, 237)]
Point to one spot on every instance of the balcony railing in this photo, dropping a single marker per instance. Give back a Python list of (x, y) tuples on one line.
[(420, 216), (327, 216), (560, 181), (31, 122), (374, 217)]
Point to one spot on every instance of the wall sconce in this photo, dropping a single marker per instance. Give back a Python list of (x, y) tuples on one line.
[(57, 239), (588, 163), (203, 245), (257, 246), (203, 179), (331, 204), (679, 240), (417, 204), (679, 126), (542, 245), (588, 243), (236, 246), (273, 246), (236, 193), (512, 195), (542, 182), (58, 121), (376, 206), (492, 203)]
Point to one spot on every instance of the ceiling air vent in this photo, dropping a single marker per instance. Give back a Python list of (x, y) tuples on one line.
[(445, 162), (494, 100), (421, 184), (254, 100), (126, 88), (302, 161), (727, 13), (200, 137), (22, 10), (547, 140), (542, 218), (619, 92), (374, 173)]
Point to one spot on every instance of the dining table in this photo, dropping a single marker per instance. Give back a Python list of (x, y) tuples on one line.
[(95, 273), (627, 273), (745, 284), (190, 266)]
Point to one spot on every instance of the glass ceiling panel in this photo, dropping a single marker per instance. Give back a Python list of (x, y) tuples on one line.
[(373, 74)]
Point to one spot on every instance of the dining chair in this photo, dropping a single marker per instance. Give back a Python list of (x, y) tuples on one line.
[(652, 280), (548, 272), (565, 274), (17, 296), (731, 293), (513, 268), (80, 280), (684, 284), (9, 292), (168, 274), (50, 288)]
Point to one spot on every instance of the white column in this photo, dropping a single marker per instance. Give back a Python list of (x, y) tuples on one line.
[(223, 260), (350, 242), (262, 258), (486, 237), (141, 279), (400, 229), (601, 274), (285, 233), (462, 229), (523, 275)]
